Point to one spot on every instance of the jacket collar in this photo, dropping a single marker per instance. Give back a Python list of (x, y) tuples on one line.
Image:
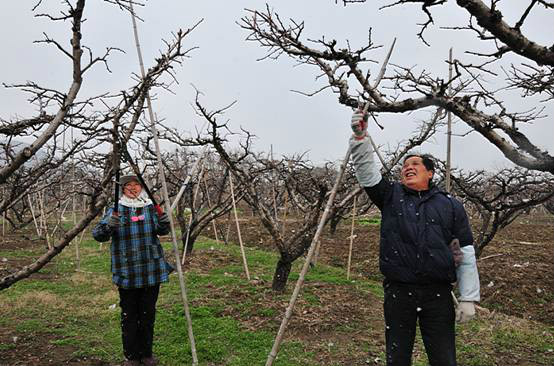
[(422, 194)]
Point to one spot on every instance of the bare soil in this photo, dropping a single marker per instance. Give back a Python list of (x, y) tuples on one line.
[(516, 270)]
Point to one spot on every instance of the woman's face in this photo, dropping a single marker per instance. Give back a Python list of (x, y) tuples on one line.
[(132, 189)]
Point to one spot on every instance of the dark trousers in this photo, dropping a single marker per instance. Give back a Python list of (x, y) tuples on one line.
[(138, 313), (434, 308)]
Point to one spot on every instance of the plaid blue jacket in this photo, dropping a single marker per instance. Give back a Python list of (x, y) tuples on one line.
[(137, 255)]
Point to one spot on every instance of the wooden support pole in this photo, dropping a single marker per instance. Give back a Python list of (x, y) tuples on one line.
[(168, 209), (60, 218), (228, 228), (273, 183), (285, 209), (194, 195), (74, 208), (285, 212), (4, 217), (63, 184), (449, 128), (44, 219), (351, 239), (35, 221), (39, 209), (210, 208), (189, 176), (245, 264), (299, 283)]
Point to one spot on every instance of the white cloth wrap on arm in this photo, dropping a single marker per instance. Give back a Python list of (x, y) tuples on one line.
[(363, 158), (468, 277)]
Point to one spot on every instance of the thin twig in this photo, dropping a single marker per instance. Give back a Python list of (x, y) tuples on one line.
[(491, 256)]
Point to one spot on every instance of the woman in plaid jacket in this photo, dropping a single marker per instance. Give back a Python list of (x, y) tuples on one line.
[(138, 266)]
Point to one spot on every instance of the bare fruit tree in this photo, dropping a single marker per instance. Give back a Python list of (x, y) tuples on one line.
[(207, 196), (42, 164), (500, 197), (348, 71), (304, 186)]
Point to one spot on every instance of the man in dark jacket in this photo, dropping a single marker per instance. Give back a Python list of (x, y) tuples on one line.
[(418, 225)]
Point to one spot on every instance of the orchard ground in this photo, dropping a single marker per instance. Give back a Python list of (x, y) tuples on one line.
[(65, 316)]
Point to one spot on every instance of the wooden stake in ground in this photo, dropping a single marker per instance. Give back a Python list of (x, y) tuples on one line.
[(74, 208), (273, 182), (60, 218), (194, 195), (40, 211), (245, 264), (351, 239), (44, 219), (288, 313), (4, 218), (210, 208), (187, 180), (37, 227), (168, 209), (229, 223), (285, 212)]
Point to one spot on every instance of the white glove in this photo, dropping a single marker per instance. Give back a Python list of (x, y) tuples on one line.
[(465, 311), (359, 124)]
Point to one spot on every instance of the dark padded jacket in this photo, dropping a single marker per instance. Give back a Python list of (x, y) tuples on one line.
[(416, 230)]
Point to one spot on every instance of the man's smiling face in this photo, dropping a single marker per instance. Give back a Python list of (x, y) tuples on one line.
[(415, 175)]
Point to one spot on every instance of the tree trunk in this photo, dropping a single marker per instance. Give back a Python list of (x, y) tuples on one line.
[(281, 275), (333, 224), (549, 205), (191, 240)]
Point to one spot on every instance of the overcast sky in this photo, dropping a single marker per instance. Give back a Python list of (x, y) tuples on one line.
[(225, 69)]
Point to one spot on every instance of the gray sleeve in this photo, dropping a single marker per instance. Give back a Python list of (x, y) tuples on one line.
[(468, 277), (365, 165)]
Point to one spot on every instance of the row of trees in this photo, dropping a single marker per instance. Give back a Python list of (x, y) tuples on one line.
[(269, 187), (273, 189), (64, 165)]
